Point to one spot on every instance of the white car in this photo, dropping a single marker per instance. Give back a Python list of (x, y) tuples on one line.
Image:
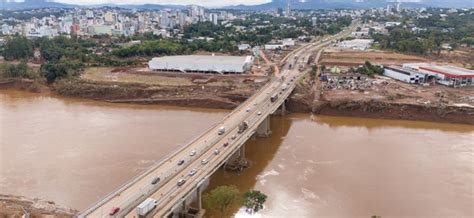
[(259, 113), (192, 172), (192, 153), (204, 162), (248, 109), (216, 152)]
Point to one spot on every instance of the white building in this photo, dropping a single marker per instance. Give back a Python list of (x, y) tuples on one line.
[(272, 46), (288, 42), (444, 75), (404, 75), (202, 64), (356, 44), (244, 47)]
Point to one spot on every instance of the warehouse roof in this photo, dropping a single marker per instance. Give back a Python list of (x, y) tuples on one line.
[(203, 59)]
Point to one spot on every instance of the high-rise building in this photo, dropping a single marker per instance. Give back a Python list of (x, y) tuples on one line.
[(214, 18), (280, 12), (287, 10), (314, 21)]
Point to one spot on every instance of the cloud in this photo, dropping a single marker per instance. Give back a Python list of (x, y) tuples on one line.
[(208, 3)]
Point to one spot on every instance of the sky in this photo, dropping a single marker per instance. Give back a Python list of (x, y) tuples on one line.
[(208, 3)]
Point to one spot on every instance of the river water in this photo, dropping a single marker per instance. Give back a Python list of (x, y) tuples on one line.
[(74, 151)]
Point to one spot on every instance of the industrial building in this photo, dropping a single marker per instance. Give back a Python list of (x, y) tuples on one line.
[(202, 64), (404, 75), (445, 75)]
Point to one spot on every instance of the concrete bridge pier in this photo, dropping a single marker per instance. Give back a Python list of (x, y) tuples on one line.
[(282, 109), (191, 212), (237, 162), (263, 130)]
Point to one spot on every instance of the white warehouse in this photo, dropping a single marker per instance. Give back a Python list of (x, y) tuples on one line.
[(202, 64), (405, 75)]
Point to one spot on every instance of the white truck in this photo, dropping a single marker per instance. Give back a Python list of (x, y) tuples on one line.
[(146, 206)]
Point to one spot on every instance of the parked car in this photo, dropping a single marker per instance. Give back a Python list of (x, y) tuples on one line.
[(155, 180), (204, 162), (180, 162), (193, 152), (114, 211), (181, 182)]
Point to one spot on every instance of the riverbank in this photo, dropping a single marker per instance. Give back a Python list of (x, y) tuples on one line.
[(18, 206), (305, 99)]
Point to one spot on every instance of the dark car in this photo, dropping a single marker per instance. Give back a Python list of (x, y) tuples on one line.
[(225, 144), (155, 180), (181, 162), (114, 211)]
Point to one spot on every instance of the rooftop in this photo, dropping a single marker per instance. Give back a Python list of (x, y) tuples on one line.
[(203, 59)]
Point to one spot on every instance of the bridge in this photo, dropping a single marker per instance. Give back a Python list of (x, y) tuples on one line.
[(183, 173)]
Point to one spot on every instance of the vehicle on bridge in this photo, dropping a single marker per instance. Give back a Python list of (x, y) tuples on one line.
[(192, 172), (204, 162), (225, 144), (243, 126), (114, 211), (146, 206), (274, 97), (283, 88), (221, 130), (193, 152), (216, 152), (155, 180), (181, 182), (180, 162)]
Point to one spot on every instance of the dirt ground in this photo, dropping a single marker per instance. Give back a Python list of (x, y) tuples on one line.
[(350, 58), (386, 89), (16, 206), (384, 98)]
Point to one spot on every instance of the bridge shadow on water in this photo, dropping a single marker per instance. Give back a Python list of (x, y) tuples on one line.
[(259, 152)]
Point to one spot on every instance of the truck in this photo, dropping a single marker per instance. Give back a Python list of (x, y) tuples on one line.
[(243, 126), (146, 206), (283, 87), (274, 97), (221, 130)]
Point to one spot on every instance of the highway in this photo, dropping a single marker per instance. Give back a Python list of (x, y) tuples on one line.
[(204, 147)]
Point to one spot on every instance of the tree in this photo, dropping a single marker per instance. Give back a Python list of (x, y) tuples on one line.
[(254, 200), (17, 48), (314, 70), (222, 198), (55, 70)]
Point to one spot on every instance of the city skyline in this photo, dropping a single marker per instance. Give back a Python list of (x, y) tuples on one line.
[(207, 3)]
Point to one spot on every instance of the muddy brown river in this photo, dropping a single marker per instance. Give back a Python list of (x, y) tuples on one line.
[(74, 151)]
